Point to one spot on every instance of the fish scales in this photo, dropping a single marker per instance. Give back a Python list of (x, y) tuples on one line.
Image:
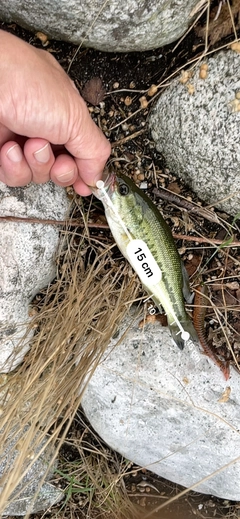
[(154, 231), (132, 215)]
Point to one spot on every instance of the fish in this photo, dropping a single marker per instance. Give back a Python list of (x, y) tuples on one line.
[(146, 241)]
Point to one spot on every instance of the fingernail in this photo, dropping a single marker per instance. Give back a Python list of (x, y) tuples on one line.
[(105, 174), (102, 177), (43, 155), (15, 153), (66, 177)]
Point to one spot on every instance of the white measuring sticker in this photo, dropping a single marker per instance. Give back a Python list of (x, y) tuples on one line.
[(143, 262)]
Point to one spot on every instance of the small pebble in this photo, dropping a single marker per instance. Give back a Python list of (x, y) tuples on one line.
[(235, 46), (203, 71), (128, 101), (142, 501), (43, 38), (152, 90), (190, 88), (143, 102), (143, 185), (185, 76)]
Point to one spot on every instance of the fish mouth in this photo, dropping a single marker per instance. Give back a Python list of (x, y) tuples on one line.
[(110, 181), (105, 187)]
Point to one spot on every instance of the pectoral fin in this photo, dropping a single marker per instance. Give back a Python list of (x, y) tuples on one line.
[(188, 295)]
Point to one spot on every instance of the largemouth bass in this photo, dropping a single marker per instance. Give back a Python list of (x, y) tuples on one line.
[(146, 241)]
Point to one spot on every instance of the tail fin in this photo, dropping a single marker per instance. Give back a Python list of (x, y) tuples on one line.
[(176, 333)]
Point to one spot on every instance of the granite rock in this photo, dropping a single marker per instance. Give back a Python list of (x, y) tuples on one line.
[(164, 409), (133, 25), (30, 495), (47, 496), (27, 260), (195, 125)]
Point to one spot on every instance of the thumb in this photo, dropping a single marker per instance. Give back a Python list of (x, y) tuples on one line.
[(89, 147)]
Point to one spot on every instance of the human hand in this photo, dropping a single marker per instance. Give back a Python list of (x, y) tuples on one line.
[(41, 114)]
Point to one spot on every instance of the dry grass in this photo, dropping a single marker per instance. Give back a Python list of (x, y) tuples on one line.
[(75, 319)]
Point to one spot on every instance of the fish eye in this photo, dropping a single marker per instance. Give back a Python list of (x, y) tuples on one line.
[(123, 189)]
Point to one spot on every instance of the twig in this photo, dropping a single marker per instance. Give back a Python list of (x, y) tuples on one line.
[(73, 223), (132, 90), (166, 82), (126, 119), (195, 485), (146, 494), (207, 27), (86, 35), (96, 225), (205, 240), (191, 26), (128, 138), (165, 194), (34, 220), (231, 195), (232, 19)]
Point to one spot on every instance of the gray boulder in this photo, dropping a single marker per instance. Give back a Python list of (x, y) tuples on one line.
[(27, 260), (47, 496), (30, 495), (195, 125), (110, 25), (166, 410)]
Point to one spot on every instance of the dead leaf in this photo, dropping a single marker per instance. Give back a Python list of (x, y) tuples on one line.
[(223, 297), (235, 104), (193, 265), (237, 327), (238, 294), (233, 285), (190, 88), (220, 24), (175, 221), (235, 46), (185, 76), (152, 319), (225, 396), (230, 299), (93, 91), (174, 187), (188, 223), (43, 38)]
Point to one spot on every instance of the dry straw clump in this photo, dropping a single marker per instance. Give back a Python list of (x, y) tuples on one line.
[(74, 322)]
